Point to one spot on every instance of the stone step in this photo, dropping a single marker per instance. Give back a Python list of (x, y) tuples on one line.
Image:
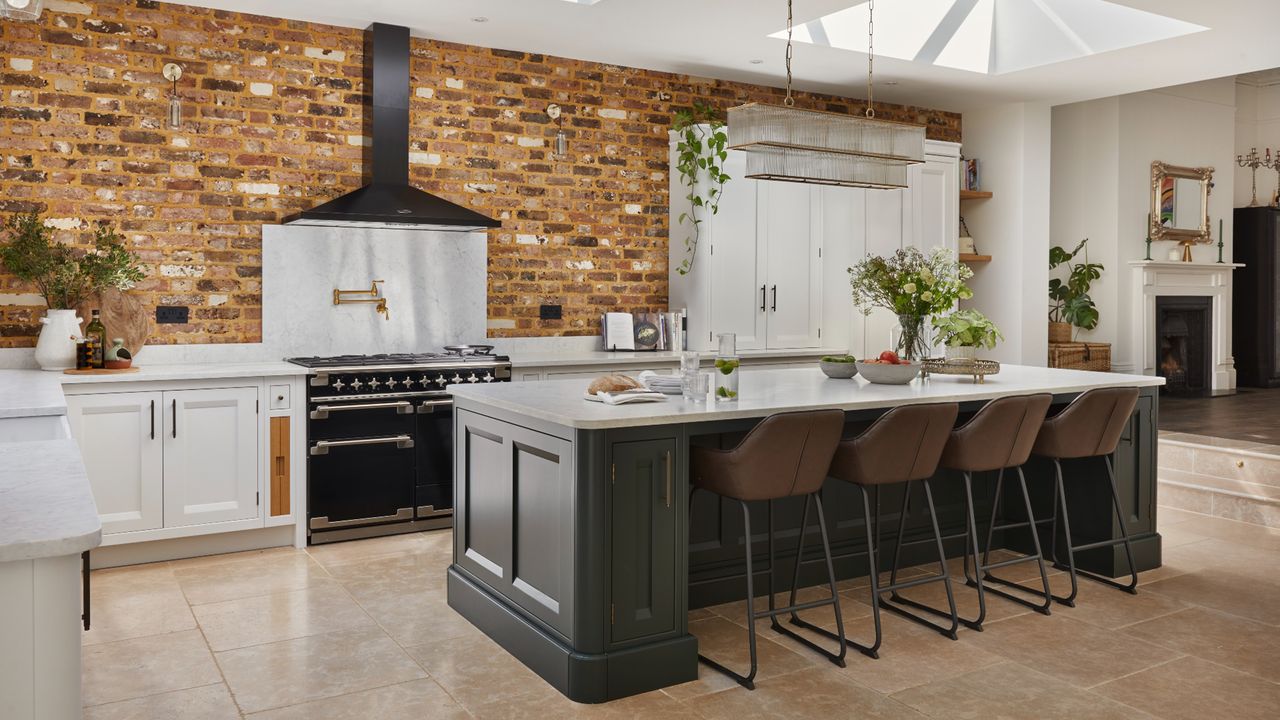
[(1223, 477)]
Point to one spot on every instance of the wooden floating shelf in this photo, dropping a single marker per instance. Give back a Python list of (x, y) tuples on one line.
[(975, 194), (968, 258)]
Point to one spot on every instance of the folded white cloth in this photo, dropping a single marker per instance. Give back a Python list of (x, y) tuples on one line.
[(667, 384), (626, 397)]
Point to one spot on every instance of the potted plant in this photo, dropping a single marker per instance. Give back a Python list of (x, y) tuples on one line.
[(913, 286), (1070, 304), (64, 276), (963, 332), (702, 148)]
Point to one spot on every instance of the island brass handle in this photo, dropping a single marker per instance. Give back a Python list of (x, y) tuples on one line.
[(403, 442), (762, 298), (174, 412), (669, 480), (403, 407), (774, 306)]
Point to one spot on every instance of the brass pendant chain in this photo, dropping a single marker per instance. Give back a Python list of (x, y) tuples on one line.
[(789, 101), (871, 52)]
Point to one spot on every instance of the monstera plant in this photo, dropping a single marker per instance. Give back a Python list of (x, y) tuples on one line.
[(1070, 304)]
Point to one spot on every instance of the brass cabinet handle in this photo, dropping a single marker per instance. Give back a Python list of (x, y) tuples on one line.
[(669, 478)]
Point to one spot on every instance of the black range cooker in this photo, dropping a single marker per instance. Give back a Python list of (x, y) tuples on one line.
[(380, 439)]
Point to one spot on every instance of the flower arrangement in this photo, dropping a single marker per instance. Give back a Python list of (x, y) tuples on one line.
[(63, 275), (913, 286)]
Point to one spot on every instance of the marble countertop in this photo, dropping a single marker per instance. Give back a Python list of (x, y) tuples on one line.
[(191, 371), (31, 393), (46, 506), (657, 357), (764, 392)]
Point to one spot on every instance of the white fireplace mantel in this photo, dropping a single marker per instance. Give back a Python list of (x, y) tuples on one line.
[(1156, 278)]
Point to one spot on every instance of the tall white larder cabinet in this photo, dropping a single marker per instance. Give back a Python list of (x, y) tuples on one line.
[(772, 264)]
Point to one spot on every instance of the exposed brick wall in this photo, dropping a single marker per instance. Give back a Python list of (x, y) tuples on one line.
[(272, 125)]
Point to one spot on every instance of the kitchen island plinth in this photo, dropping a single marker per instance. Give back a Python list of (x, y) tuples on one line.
[(576, 551)]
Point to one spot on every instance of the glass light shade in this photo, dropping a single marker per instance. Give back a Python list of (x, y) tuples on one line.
[(175, 112), (797, 145), (20, 9)]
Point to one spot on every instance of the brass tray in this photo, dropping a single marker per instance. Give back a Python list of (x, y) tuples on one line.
[(977, 369)]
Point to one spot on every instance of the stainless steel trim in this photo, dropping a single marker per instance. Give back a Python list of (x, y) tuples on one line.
[(425, 511), (323, 522), (379, 396), (321, 447), (453, 364), (403, 407), (320, 379), (394, 528), (429, 406)]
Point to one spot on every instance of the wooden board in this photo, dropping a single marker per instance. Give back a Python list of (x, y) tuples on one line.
[(123, 315), (975, 195), (279, 466), (971, 258), (101, 371)]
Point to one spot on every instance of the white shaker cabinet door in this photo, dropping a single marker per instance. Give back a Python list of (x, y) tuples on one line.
[(793, 265), (737, 269), (936, 199), (119, 435), (885, 236), (210, 456)]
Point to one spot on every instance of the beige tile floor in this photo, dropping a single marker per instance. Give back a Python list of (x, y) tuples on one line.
[(363, 630)]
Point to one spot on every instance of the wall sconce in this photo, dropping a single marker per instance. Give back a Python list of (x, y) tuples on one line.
[(173, 73), (20, 9), (562, 141)]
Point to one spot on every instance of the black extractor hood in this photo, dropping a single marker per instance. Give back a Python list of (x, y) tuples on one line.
[(388, 200)]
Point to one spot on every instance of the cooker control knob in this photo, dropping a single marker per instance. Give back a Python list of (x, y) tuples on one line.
[(473, 378), (442, 381), (338, 384), (408, 382), (488, 377), (456, 378), (374, 383), (424, 381), (392, 383), (356, 384)]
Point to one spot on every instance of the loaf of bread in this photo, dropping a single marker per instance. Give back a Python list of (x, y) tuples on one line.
[(612, 383)]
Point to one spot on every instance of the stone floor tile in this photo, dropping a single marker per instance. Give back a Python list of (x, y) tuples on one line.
[(1193, 689), (249, 575), (283, 616), (208, 702), (476, 671), (127, 669), (414, 699), (1238, 643), (803, 694)]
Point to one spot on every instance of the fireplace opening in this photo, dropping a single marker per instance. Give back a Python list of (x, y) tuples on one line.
[(1183, 344)]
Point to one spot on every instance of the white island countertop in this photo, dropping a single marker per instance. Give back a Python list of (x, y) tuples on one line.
[(31, 393), (764, 392), (46, 506), (625, 358)]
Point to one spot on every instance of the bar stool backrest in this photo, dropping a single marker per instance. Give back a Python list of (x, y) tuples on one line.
[(1091, 425), (1000, 435), (786, 454), (903, 444)]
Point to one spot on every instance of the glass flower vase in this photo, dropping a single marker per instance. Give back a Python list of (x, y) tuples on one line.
[(912, 342)]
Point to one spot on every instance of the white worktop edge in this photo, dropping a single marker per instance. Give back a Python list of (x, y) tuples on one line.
[(46, 505)]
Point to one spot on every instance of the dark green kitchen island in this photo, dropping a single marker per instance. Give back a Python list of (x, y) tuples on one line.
[(575, 548)]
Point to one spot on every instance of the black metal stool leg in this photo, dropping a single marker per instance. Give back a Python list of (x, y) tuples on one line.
[(746, 681), (834, 601), (773, 618), (945, 579), (1132, 586), (897, 548), (972, 524), (1061, 492), (995, 511), (795, 576), (1037, 557)]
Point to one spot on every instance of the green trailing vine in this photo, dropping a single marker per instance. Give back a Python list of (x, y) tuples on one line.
[(702, 148)]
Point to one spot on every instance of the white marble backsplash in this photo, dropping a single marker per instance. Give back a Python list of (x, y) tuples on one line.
[(434, 283)]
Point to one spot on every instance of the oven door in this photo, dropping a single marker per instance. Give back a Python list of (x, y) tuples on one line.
[(361, 464), (434, 491)]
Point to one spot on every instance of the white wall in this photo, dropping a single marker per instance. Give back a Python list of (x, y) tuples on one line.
[(1102, 152), (1012, 144), (1257, 126)]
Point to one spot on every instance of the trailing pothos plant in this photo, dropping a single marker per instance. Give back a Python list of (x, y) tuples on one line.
[(701, 149), (1069, 299)]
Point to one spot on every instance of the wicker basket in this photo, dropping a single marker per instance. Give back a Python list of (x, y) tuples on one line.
[(1080, 356), (1059, 332)]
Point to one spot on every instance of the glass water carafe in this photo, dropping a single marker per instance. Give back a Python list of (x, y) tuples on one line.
[(727, 364)]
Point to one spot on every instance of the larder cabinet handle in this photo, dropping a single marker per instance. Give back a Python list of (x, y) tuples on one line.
[(153, 419), (762, 298), (174, 412), (669, 478), (775, 299)]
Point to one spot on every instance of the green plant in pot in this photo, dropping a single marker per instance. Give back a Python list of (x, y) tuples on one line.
[(64, 276), (963, 332), (1069, 301), (701, 152)]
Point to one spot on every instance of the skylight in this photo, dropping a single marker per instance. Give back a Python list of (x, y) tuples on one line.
[(991, 36)]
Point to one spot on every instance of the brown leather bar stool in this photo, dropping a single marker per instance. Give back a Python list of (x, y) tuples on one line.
[(1089, 427), (786, 455), (998, 437), (902, 446)]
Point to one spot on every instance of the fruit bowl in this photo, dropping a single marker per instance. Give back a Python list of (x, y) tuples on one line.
[(888, 373), (838, 367)]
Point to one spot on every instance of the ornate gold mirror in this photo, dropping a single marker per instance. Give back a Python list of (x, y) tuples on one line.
[(1180, 203)]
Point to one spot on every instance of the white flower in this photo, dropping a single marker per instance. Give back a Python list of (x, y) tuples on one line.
[(909, 288), (927, 275), (926, 296)]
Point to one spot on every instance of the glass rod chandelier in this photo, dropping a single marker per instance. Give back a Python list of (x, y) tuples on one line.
[(792, 144)]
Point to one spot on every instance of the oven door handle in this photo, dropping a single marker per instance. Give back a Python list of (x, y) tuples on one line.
[(321, 447), (403, 407), (429, 406)]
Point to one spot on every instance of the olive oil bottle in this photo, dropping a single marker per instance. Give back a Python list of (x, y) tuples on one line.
[(96, 334)]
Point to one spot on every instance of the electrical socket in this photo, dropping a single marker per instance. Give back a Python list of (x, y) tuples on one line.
[(172, 314), (550, 312)]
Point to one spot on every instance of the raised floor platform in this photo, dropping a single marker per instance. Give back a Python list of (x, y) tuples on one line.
[(1225, 477)]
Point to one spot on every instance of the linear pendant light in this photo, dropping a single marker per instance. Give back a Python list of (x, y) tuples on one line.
[(792, 144)]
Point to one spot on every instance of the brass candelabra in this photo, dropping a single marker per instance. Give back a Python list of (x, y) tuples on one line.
[(1253, 161), (1272, 162)]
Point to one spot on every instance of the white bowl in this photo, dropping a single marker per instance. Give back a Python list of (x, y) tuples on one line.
[(838, 370), (883, 374)]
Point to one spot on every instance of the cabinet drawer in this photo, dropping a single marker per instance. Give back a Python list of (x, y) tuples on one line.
[(278, 397)]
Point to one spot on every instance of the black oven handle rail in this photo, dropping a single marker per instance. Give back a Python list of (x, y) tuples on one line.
[(430, 406), (402, 407), (402, 442)]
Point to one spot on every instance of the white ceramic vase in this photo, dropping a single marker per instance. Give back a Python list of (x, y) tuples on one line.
[(56, 348), (961, 354)]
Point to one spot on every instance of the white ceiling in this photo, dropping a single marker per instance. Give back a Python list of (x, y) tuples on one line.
[(720, 38)]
